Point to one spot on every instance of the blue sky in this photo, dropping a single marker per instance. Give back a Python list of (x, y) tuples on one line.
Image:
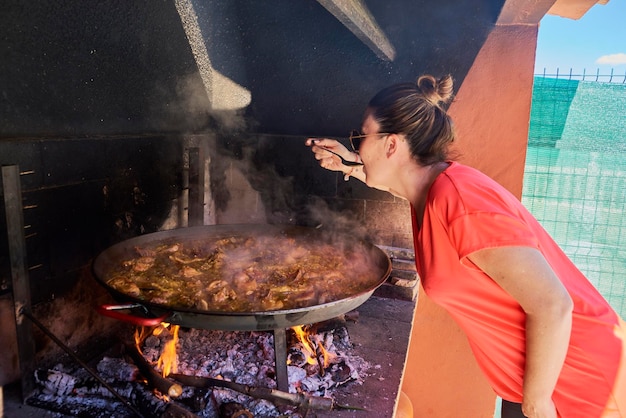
[(597, 41)]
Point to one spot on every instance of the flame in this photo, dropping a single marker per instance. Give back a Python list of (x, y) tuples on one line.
[(313, 348), (168, 362), (140, 335), (307, 344), (326, 354)]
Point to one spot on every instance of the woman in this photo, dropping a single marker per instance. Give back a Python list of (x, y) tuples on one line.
[(547, 341)]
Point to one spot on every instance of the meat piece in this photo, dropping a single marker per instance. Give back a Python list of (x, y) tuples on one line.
[(244, 283), (184, 258), (146, 252), (306, 297), (216, 285), (189, 272), (224, 294), (202, 304), (272, 304), (143, 263), (125, 285)]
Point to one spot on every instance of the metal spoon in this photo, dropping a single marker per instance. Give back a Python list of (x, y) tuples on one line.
[(343, 160)]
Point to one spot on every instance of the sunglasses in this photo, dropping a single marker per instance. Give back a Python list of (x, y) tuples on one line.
[(356, 138)]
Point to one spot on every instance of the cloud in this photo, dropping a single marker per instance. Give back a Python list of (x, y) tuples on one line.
[(612, 59)]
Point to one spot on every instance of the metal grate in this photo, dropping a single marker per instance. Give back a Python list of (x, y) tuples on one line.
[(612, 77), (575, 176)]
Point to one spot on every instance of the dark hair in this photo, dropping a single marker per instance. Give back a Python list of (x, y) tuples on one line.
[(417, 111)]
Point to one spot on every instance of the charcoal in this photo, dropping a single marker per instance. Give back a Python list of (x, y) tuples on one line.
[(111, 368)]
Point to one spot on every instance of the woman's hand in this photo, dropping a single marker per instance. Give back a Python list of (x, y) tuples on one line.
[(329, 161), (539, 409)]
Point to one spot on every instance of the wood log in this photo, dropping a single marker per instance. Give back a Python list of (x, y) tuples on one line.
[(154, 406), (300, 400), (155, 380), (76, 406), (173, 410), (70, 396), (163, 385), (234, 410)]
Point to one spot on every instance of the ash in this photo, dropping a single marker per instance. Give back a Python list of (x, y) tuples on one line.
[(246, 358)]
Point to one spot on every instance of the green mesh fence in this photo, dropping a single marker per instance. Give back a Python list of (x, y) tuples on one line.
[(575, 176)]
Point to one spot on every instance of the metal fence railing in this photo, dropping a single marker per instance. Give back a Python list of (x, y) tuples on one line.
[(575, 175), (612, 77)]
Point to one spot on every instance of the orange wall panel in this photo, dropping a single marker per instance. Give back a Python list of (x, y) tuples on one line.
[(491, 113)]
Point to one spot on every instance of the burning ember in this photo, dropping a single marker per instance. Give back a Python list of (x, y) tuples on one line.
[(220, 373), (318, 359), (312, 348)]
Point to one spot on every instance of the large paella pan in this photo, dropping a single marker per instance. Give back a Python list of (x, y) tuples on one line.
[(242, 277)]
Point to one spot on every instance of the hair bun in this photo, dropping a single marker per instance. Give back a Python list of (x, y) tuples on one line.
[(436, 91)]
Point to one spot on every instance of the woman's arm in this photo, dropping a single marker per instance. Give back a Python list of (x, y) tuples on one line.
[(525, 274), (329, 161), (326, 151)]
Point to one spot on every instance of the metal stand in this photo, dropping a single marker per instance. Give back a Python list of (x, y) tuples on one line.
[(280, 354), (19, 276)]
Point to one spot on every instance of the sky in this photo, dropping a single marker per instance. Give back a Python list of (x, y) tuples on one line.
[(596, 41)]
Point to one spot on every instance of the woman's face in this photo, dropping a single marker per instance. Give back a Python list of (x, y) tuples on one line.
[(372, 151)]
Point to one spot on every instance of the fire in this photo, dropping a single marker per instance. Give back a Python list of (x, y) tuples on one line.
[(167, 362), (313, 348), (307, 344), (327, 355), (140, 334)]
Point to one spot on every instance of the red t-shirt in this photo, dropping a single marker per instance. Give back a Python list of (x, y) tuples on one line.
[(467, 211)]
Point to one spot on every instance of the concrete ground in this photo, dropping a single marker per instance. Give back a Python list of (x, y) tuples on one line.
[(11, 405)]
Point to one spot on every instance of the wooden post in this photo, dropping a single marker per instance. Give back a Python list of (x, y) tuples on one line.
[(19, 276)]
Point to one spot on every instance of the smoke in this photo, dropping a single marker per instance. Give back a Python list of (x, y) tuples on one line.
[(338, 225), (243, 156), (231, 120), (264, 162)]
